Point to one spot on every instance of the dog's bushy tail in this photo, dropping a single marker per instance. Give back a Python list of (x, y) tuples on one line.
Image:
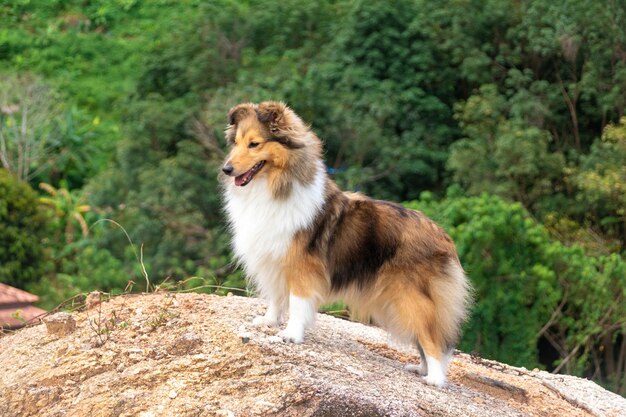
[(452, 296)]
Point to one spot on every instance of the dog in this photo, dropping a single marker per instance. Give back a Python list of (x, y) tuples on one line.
[(303, 242)]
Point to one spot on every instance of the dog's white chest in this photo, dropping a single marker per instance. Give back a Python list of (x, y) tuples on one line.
[(264, 227)]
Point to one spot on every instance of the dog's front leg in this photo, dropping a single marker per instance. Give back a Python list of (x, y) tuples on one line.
[(301, 316), (272, 315)]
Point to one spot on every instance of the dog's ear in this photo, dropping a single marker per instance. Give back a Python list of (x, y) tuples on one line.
[(284, 125), (239, 112), (272, 114), (235, 115)]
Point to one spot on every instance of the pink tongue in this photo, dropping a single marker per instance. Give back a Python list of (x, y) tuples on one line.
[(239, 179)]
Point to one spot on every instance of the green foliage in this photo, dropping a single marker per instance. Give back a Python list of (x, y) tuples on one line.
[(601, 179), (394, 120), (41, 139), (82, 149), (66, 212), (503, 154), (21, 230), (554, 84), (164, 186), (83, 268)]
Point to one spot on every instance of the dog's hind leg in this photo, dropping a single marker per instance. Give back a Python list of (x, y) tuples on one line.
[(416, 315), (422, 368)]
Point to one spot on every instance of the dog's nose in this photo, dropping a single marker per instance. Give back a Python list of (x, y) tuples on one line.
[(227, 169)]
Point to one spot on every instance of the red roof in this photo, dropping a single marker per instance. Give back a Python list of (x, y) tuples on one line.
[(14, 300), (11, 295), (26, 312)]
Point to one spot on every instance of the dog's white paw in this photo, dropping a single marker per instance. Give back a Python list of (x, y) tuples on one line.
[(418, 369), (292, 336), (262, 321), (435, 380)]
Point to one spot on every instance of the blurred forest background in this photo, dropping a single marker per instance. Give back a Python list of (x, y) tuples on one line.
[(504, 120)]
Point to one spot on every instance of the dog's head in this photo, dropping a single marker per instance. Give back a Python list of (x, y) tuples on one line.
[(262, 138)]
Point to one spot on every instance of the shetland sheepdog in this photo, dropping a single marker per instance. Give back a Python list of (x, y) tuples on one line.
[(302, 241)]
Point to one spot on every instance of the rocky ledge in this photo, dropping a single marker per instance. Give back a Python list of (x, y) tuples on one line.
[(169, 354)]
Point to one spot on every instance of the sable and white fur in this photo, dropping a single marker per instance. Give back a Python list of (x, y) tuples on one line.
[(303, 242)]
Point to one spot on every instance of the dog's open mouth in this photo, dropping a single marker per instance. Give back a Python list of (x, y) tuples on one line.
[(246, 177)]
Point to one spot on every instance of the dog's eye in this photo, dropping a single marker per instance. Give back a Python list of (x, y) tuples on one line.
[(253, 144)]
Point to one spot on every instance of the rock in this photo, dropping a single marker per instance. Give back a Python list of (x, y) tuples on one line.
[(245, 336), (274, 339), (341, 369), (60, 324), (93, 299), (185, 344)]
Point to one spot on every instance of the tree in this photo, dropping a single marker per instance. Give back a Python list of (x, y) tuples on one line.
[(67, 211), (22, 226), (502, 153), (27, 130), (601, 180)]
